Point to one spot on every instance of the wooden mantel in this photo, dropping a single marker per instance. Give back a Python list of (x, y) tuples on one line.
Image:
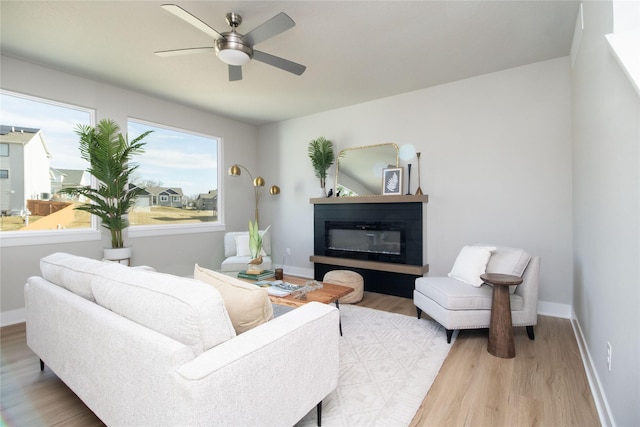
[(370, 199)]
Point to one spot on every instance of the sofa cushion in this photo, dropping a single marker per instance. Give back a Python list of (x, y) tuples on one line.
[(453, 294), (242, 246), (471, 263), (248, 305), (73, 272), (180, 308)]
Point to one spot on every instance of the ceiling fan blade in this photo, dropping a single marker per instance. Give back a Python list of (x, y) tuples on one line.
[(189, 18), (235, 73), (274, 26), (278, 62), (187, 51)]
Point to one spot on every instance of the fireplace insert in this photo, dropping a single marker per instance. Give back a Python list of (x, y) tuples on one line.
[(373, 241)]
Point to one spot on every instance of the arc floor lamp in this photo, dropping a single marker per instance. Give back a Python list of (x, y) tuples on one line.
[(257, 182)]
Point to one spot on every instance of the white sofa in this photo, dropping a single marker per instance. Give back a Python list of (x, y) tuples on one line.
[(146, 348)]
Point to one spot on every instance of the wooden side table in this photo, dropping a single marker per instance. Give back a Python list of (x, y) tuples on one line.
[(500, 326)]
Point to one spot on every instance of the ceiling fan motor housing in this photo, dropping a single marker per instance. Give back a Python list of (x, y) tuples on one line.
[(231, 47)]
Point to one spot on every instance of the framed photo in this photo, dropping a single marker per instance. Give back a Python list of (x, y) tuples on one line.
[(392, 181)]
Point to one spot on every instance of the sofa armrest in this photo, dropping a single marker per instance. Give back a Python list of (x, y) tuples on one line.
[(273, 374)]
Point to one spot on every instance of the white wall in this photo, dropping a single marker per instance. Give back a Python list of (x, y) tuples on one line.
[(496, 164), (175, 254), (606, 176)]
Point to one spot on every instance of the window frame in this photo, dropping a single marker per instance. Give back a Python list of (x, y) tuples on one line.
[(48, 237), (137, 231)]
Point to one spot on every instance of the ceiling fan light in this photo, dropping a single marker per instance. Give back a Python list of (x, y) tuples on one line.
[(233, 57), (232, 50)]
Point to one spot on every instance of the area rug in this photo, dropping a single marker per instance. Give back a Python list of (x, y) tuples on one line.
[(388, 362)]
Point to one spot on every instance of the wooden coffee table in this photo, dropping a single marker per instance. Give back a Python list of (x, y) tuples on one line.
[(329, 293)]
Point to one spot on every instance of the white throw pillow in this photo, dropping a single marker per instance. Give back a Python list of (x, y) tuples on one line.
[(471, 263), (242, 245)]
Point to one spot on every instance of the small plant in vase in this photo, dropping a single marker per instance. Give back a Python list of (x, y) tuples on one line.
[(255, 248), (322, 157)]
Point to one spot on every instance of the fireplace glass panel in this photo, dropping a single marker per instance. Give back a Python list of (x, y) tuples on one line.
[(374, 241)]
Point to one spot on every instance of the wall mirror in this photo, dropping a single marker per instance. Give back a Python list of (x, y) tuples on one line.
[(359, 169)]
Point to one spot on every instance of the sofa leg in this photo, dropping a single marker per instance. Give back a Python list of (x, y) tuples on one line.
[(530, 333), (419, 311), (449, 335), (41, 365), (319, 409)]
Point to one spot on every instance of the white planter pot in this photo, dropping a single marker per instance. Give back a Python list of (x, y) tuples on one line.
[(120, 255)]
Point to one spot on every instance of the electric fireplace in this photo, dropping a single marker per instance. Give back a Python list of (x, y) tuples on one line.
[(374, 241)]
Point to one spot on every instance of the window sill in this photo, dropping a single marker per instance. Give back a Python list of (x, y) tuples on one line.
[(31, 238)]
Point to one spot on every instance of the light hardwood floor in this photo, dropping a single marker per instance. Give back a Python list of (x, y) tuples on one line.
[(545, 385)]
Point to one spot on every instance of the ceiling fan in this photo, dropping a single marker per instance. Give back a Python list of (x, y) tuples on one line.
[(234, 48)]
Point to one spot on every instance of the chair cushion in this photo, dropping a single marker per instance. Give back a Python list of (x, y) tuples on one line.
[(471, 263), (506, 260), (248, 305), (231, 249), (180, 308), (453, 294)]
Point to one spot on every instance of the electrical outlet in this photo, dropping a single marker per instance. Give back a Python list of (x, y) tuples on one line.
[(287, 251), (609, 352)]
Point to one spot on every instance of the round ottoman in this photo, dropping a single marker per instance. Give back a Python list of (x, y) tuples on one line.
[(347, 278)]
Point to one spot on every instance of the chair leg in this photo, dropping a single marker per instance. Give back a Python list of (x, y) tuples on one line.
[(530, 333), (41, 365), (319, 410), (449, 335), (419, 311)]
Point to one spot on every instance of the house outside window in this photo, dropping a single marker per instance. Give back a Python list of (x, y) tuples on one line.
[(39, 147), (177, 167)]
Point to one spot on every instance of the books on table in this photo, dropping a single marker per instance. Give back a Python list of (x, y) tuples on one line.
[(277, 288), (266, 274)]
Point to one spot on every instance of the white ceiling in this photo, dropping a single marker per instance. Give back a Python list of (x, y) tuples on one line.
[(355, 51)]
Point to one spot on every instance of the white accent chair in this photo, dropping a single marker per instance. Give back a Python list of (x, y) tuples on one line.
[(237, 255), (459, 305)]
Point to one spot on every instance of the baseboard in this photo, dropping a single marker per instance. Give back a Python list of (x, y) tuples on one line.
[(298, 271), (554, 309), (12, 317), (600, 399)]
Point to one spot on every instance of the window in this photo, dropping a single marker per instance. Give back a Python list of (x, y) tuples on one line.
[(39, 146), (179, 174)]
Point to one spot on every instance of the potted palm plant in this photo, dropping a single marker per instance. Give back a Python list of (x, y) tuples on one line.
[(322, 157), (109, 154)]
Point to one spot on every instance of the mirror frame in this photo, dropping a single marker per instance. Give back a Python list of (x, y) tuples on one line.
[(346, 151)]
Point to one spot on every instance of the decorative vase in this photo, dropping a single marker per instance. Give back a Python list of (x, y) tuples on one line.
[(323, 192), (119, 255), (253, 268)]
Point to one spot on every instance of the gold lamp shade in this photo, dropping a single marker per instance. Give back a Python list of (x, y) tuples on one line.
[(236, 170)]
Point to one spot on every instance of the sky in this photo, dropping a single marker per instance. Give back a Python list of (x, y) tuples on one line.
[(174, 158)]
